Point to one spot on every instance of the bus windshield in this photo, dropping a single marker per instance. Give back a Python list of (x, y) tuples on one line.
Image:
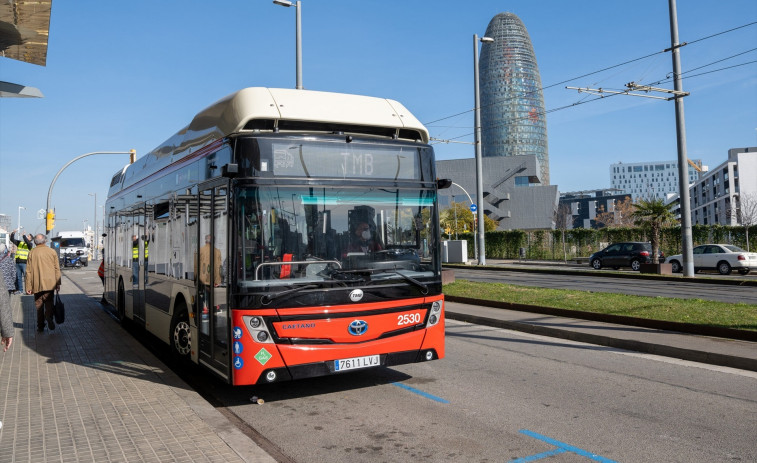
[(309, 234)]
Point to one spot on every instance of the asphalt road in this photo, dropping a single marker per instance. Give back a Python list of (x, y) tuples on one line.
[(498, 396), (585, 281)]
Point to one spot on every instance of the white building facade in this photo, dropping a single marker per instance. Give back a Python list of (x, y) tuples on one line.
[(647, 180), (715, 197)]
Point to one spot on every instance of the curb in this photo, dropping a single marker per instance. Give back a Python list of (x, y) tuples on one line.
[(636, 346), (690, 328)]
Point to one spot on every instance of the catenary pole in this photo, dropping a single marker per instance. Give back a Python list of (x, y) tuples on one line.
[(683, 163)]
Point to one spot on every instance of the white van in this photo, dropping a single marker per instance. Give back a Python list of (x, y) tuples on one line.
[(72, 244)]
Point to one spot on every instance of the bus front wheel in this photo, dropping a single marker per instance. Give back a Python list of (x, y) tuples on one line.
[(181, 336)]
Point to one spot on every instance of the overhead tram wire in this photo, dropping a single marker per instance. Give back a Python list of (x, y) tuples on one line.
[(724, 32), (661, 81), (626, 91), (594, 72), (578, 103), (548, 86)]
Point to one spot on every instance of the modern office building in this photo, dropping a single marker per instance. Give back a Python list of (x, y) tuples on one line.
[(584, 206), (716, 197), (513, 120), (513, 195), (656, 179)]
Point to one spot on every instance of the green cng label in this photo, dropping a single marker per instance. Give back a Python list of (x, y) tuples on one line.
[(263, 356)]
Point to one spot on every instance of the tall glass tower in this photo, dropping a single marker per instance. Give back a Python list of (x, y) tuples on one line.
[(513, 121)]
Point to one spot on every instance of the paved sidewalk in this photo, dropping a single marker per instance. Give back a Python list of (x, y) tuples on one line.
[(697, 348), (89, 392)]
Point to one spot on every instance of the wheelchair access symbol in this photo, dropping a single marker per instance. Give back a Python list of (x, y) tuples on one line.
[(238, 362)]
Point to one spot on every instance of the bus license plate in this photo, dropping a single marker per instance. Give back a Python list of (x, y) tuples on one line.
[(357, 362)]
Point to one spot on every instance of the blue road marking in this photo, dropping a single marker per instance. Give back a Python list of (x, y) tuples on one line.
[(561, 448), (538, 456), (421, 393)]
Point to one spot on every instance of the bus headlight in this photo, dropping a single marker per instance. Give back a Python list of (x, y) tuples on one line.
[(436, 314), (257, 328)]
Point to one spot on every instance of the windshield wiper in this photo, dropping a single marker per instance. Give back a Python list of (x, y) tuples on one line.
[(268, 298), (422, 286)]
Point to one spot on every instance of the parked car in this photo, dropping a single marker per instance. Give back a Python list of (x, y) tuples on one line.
[(720, 257), (630, 254)]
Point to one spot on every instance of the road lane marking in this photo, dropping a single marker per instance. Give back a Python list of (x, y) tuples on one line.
[(562, 447), (421, 393)]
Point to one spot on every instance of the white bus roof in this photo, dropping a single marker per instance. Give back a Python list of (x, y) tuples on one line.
[(232, 113), (259, 109)]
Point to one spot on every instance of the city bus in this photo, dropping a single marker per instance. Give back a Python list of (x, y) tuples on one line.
[(283, 234)]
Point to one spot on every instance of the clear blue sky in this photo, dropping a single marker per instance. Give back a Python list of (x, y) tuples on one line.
[(124, 75)]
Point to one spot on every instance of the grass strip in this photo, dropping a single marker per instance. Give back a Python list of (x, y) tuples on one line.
[(697, 311)]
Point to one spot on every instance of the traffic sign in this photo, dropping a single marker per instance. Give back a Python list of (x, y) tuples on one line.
[(473, 208)]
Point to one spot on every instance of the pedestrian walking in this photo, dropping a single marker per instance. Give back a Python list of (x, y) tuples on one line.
[(101, 274), (7, 268), (23, 246), (6, 317), (42, 280)]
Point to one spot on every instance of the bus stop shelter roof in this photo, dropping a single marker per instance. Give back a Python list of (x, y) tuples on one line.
[(24, 30)]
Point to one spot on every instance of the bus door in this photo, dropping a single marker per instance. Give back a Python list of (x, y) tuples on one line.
[(139, 263), (212, 297), (109, 256)]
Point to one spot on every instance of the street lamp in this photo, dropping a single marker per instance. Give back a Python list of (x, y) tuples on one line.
[(298, 36), (94, 235), (18, 224), (51, 213), (477, 142)]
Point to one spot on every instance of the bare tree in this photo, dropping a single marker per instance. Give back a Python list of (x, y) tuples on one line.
[(621, 216), (746, 212), (563, 218)]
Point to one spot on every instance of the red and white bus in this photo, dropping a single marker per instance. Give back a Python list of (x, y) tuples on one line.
[(283, 234)]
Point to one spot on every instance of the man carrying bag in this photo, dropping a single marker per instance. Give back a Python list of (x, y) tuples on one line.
[(42, 280), (59, 310)]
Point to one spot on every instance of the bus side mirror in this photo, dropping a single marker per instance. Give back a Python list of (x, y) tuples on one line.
[(443, 183), (230, 170)]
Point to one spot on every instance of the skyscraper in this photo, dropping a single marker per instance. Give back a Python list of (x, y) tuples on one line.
[(513, 120)]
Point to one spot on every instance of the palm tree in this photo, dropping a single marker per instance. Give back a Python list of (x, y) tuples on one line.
[(653, 213)]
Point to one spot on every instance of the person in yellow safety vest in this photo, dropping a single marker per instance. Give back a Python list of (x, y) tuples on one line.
[(22, 254), (135, 258)]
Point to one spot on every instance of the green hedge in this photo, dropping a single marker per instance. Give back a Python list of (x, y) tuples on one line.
[(580, 242)]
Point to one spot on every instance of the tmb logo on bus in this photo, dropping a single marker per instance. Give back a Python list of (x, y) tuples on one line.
[(357, 327), (356, 295)]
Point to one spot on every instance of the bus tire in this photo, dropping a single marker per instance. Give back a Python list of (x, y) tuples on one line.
[(181, 335)]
